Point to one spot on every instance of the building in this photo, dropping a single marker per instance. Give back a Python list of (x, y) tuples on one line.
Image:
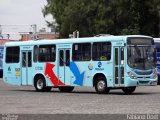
[(3, 41), (25, 36)]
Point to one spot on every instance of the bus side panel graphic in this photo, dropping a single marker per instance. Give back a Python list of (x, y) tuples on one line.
[(78, 76), (49, 72)]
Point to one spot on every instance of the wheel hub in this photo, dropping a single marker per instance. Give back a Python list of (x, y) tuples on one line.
[(40, 84), (101, 85)]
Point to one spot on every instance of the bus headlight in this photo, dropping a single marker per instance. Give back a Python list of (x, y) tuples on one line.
[(131, 75), (154, 74)]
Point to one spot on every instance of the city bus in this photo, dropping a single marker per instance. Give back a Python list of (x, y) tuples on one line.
[(106, 63), (157, 44)]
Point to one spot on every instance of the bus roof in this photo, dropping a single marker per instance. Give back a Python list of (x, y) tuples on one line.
[(157, 43), (73, 40), (156, 39)]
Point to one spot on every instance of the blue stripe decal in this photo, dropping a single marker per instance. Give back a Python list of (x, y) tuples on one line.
[(79, 76)]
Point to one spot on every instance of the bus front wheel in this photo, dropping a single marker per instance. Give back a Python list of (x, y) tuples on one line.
[(40, 84), (101, 86), (128, 90)]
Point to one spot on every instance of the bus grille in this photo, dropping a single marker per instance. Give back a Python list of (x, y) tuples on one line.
[(144, 72), (143, 82)]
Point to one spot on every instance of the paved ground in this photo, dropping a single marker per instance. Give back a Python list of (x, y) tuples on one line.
[(24, 100)]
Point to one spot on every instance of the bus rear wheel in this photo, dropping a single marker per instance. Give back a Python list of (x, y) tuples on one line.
[(66, 89), (40, 84), (128, 90), (101, 86)]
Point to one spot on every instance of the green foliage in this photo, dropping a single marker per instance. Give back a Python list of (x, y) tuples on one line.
[(117, 17)]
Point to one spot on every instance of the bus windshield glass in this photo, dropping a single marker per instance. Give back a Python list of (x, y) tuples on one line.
[(141, 57)]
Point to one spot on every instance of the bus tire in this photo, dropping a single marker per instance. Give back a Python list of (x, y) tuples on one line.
[(40, 84), (158, 83), (101, 86), (66, 89), (128, 90)]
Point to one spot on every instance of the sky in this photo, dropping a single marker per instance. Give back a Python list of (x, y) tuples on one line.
[(18, 15)]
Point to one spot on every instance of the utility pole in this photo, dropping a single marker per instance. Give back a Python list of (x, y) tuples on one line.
[(1, 32), (76, 34), (34, 26)]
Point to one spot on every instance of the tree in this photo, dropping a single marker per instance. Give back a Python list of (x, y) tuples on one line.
[(92, 17)]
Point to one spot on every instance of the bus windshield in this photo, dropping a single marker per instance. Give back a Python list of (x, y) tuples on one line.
[(141, 57)]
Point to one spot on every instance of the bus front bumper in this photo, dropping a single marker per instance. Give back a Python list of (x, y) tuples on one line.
[(140, 82), (147, 83)]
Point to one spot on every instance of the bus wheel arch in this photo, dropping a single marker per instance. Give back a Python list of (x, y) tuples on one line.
[(40, 83), (100, 83)]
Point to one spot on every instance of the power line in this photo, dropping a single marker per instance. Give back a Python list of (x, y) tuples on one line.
[(16, 25), (32, 26)]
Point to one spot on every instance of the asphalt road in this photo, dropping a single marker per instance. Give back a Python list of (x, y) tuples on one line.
[(24, 100)]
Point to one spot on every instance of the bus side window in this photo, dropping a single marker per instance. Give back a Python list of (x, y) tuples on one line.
[(61, 59), (35, 55), (81, 52), (29, 59), (24, 59), (12, 54), (47, 53), (67, 57), (53, 53), (101, 51)]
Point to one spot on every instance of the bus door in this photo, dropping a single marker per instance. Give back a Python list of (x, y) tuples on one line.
[(63, 69), (26, 67), (119, 66)]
